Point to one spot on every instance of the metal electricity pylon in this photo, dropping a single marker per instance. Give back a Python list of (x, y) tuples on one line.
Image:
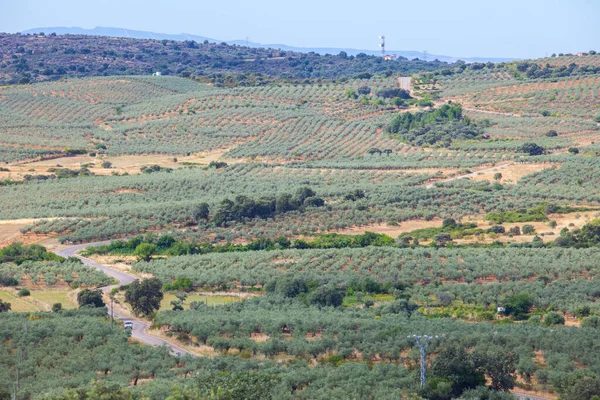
[(423, 343)]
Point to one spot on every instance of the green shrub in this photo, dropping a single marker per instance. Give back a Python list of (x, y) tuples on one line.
[(554, 318), (591, 322), (527, 229)]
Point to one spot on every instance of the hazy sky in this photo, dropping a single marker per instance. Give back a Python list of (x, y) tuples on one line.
[(505, 28)]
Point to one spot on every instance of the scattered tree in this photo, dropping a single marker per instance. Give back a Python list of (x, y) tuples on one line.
[(145, 251), (456, 365), (364, 90), (499, 364), (518, 305), (4, 306), (145, 296), (554, 318), (532, 149), (90, 298)]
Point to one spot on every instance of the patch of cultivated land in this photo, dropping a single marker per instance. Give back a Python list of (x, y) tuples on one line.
[(130, 164), (19, 304), (50, 297), (569, 221), (210, 301), (392, 230), (512, 173), (10, 231)]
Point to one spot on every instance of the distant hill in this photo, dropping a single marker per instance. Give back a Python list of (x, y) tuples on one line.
[(26, 58), (127, 33)]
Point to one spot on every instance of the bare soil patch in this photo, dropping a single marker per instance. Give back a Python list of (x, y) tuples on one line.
[(512, 173), (392, 230), (569, 221), (202, 350), (130, 164), (259, 337), (10, 231)]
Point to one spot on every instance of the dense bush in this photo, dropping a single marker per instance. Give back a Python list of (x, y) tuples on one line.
[(244, 208), (392, 93), (439, 126), (532, 149), (90, 298), (18, 253)]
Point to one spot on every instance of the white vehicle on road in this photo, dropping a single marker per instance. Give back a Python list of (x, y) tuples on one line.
[(128, 324)]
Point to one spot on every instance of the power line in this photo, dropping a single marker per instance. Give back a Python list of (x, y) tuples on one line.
[(423, 343)]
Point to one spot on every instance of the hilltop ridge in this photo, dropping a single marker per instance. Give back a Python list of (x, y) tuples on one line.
[(137, 34)]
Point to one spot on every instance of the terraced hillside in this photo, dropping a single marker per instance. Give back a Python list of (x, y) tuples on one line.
[(303, 232)]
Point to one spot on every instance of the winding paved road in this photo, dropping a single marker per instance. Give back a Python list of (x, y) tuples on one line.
[(139, 327)]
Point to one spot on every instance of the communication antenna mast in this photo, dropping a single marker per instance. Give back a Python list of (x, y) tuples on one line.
[(425, 54), (382, 44)]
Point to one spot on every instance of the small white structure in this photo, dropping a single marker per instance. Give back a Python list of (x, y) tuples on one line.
[(501, 310), (157, 73)]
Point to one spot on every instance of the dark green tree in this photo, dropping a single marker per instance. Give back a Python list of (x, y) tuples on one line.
[(90, 298), (200, 211), (449, 223), (4, 306), (456, 365), (364, 90), (442, 239), (145, 296), (499, 364), (518, 305), (326, 296), (532, 149)]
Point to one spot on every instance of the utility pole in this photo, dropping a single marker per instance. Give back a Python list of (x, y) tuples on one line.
[(18, 383), (425, 54), (423, 343)]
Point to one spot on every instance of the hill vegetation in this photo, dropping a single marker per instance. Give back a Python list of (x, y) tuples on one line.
[(440, 126), (38, 57), (327, 212)]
